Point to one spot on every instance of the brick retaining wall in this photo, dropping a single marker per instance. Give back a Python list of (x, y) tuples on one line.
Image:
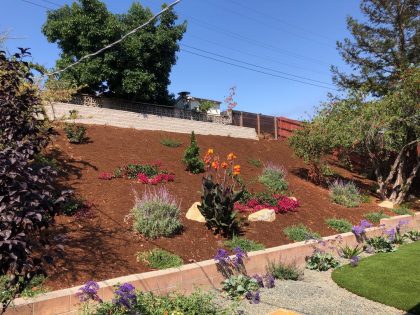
[(187, 278)]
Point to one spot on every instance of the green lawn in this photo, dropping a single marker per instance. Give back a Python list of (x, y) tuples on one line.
[(389, 278)]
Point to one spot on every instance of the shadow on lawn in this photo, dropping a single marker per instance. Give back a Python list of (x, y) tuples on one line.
[(415, 310)]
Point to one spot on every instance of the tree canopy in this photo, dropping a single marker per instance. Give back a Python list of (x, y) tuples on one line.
[(138, 68), (383, 47)]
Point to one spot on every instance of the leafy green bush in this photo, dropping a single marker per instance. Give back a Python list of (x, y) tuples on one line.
[(339, 225), (43, 160), (299, 233), (168, 142), (31, 289), (192, 160), (75, 133), (160, 259), (244, 243), (255, 162), (237, 286), (321, 261), (380, 244), (413, 235), (283, 271), (273, 177), (197, 303), (71, 206), (156, 214), (345, 194), (375, 217), (402, 210), (326, 170), (350, 252)]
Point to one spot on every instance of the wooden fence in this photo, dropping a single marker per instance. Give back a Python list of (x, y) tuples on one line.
[(286, 127), (265, 126)]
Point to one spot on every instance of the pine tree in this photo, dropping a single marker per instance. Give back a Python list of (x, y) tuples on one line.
[(383, 47), (192, 159)]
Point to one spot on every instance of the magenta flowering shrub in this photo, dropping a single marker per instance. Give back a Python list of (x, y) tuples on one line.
[(282, 204), (157, 179)]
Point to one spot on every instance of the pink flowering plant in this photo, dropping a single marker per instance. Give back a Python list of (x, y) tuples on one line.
[(277, 202), (149, 173)]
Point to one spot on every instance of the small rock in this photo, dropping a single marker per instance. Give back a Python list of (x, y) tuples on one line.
[(194, 214), (267, 215), (386, 204), (293, 198)]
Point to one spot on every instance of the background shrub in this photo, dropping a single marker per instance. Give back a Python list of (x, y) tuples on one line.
[(345, 194), (375, 217), (75, 133), (255, 162), (160, 259), (402, 210), (273, 177), (339, 225), (244, 243), (156, 214), (168, 142), (284, 271), (192, 160), (300, 233)]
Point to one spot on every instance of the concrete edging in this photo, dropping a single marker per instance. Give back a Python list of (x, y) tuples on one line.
[(188, 277)]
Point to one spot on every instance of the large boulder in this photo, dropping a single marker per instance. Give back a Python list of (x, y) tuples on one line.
[(194, 214), (267, 215)]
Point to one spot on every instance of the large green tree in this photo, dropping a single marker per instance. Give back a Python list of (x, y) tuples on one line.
[(383, 47), (138, 68)]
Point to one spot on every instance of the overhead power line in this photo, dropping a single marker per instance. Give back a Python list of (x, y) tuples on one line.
[(51, 2), (116, 42), (37, 4), (256, 70), (256, 66), (258, 43)]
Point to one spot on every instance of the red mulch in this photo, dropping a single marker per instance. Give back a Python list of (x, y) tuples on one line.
[(105, 246)]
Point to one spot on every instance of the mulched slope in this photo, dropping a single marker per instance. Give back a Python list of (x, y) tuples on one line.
[(105, 246)]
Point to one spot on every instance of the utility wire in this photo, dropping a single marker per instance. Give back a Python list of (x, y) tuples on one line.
[(256, 66), (51, 2), (253, 41), (116, 42), (255, 70), (266, 58), (238, 13), (37, 4)]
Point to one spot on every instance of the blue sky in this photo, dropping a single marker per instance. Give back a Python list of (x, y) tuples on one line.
[(287, 37)]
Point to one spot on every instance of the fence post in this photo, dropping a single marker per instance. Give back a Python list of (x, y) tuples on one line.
[(258, 124), (275, 128), (241, 120)]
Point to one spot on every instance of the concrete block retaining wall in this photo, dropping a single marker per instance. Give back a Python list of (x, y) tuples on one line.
[(187, 278), (125, 119)]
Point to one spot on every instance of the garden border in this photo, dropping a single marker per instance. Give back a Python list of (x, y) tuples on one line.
[(187, 278)]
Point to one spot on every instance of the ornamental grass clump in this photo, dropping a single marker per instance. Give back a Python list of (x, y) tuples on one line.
[(283, 271), (345, 194), (156, 213), (340, 225), (220, 194), (274, 178), (244, 243), (160, 259), (300, 233), (376, 217)]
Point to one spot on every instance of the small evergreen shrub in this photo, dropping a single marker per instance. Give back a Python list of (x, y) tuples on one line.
[(283, 271), (340, 225), (192, 160), (75, 133), (160, 259), (375, 217), (300, 233), (274, 178), (243, 243), (345, 194), (156, 214), (168, 142)]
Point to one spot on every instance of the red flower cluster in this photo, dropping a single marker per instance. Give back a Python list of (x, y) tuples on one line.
[(284, 204), (106, 176), (155, 179)]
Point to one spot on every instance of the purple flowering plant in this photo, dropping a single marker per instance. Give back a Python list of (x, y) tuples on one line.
[(125, 296), (360, 230), (354, 261), (89, 292)]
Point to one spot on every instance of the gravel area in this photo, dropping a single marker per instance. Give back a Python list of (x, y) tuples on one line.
[(317, 293)]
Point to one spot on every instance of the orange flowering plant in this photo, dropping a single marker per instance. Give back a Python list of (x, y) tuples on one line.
[(221, 189)]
